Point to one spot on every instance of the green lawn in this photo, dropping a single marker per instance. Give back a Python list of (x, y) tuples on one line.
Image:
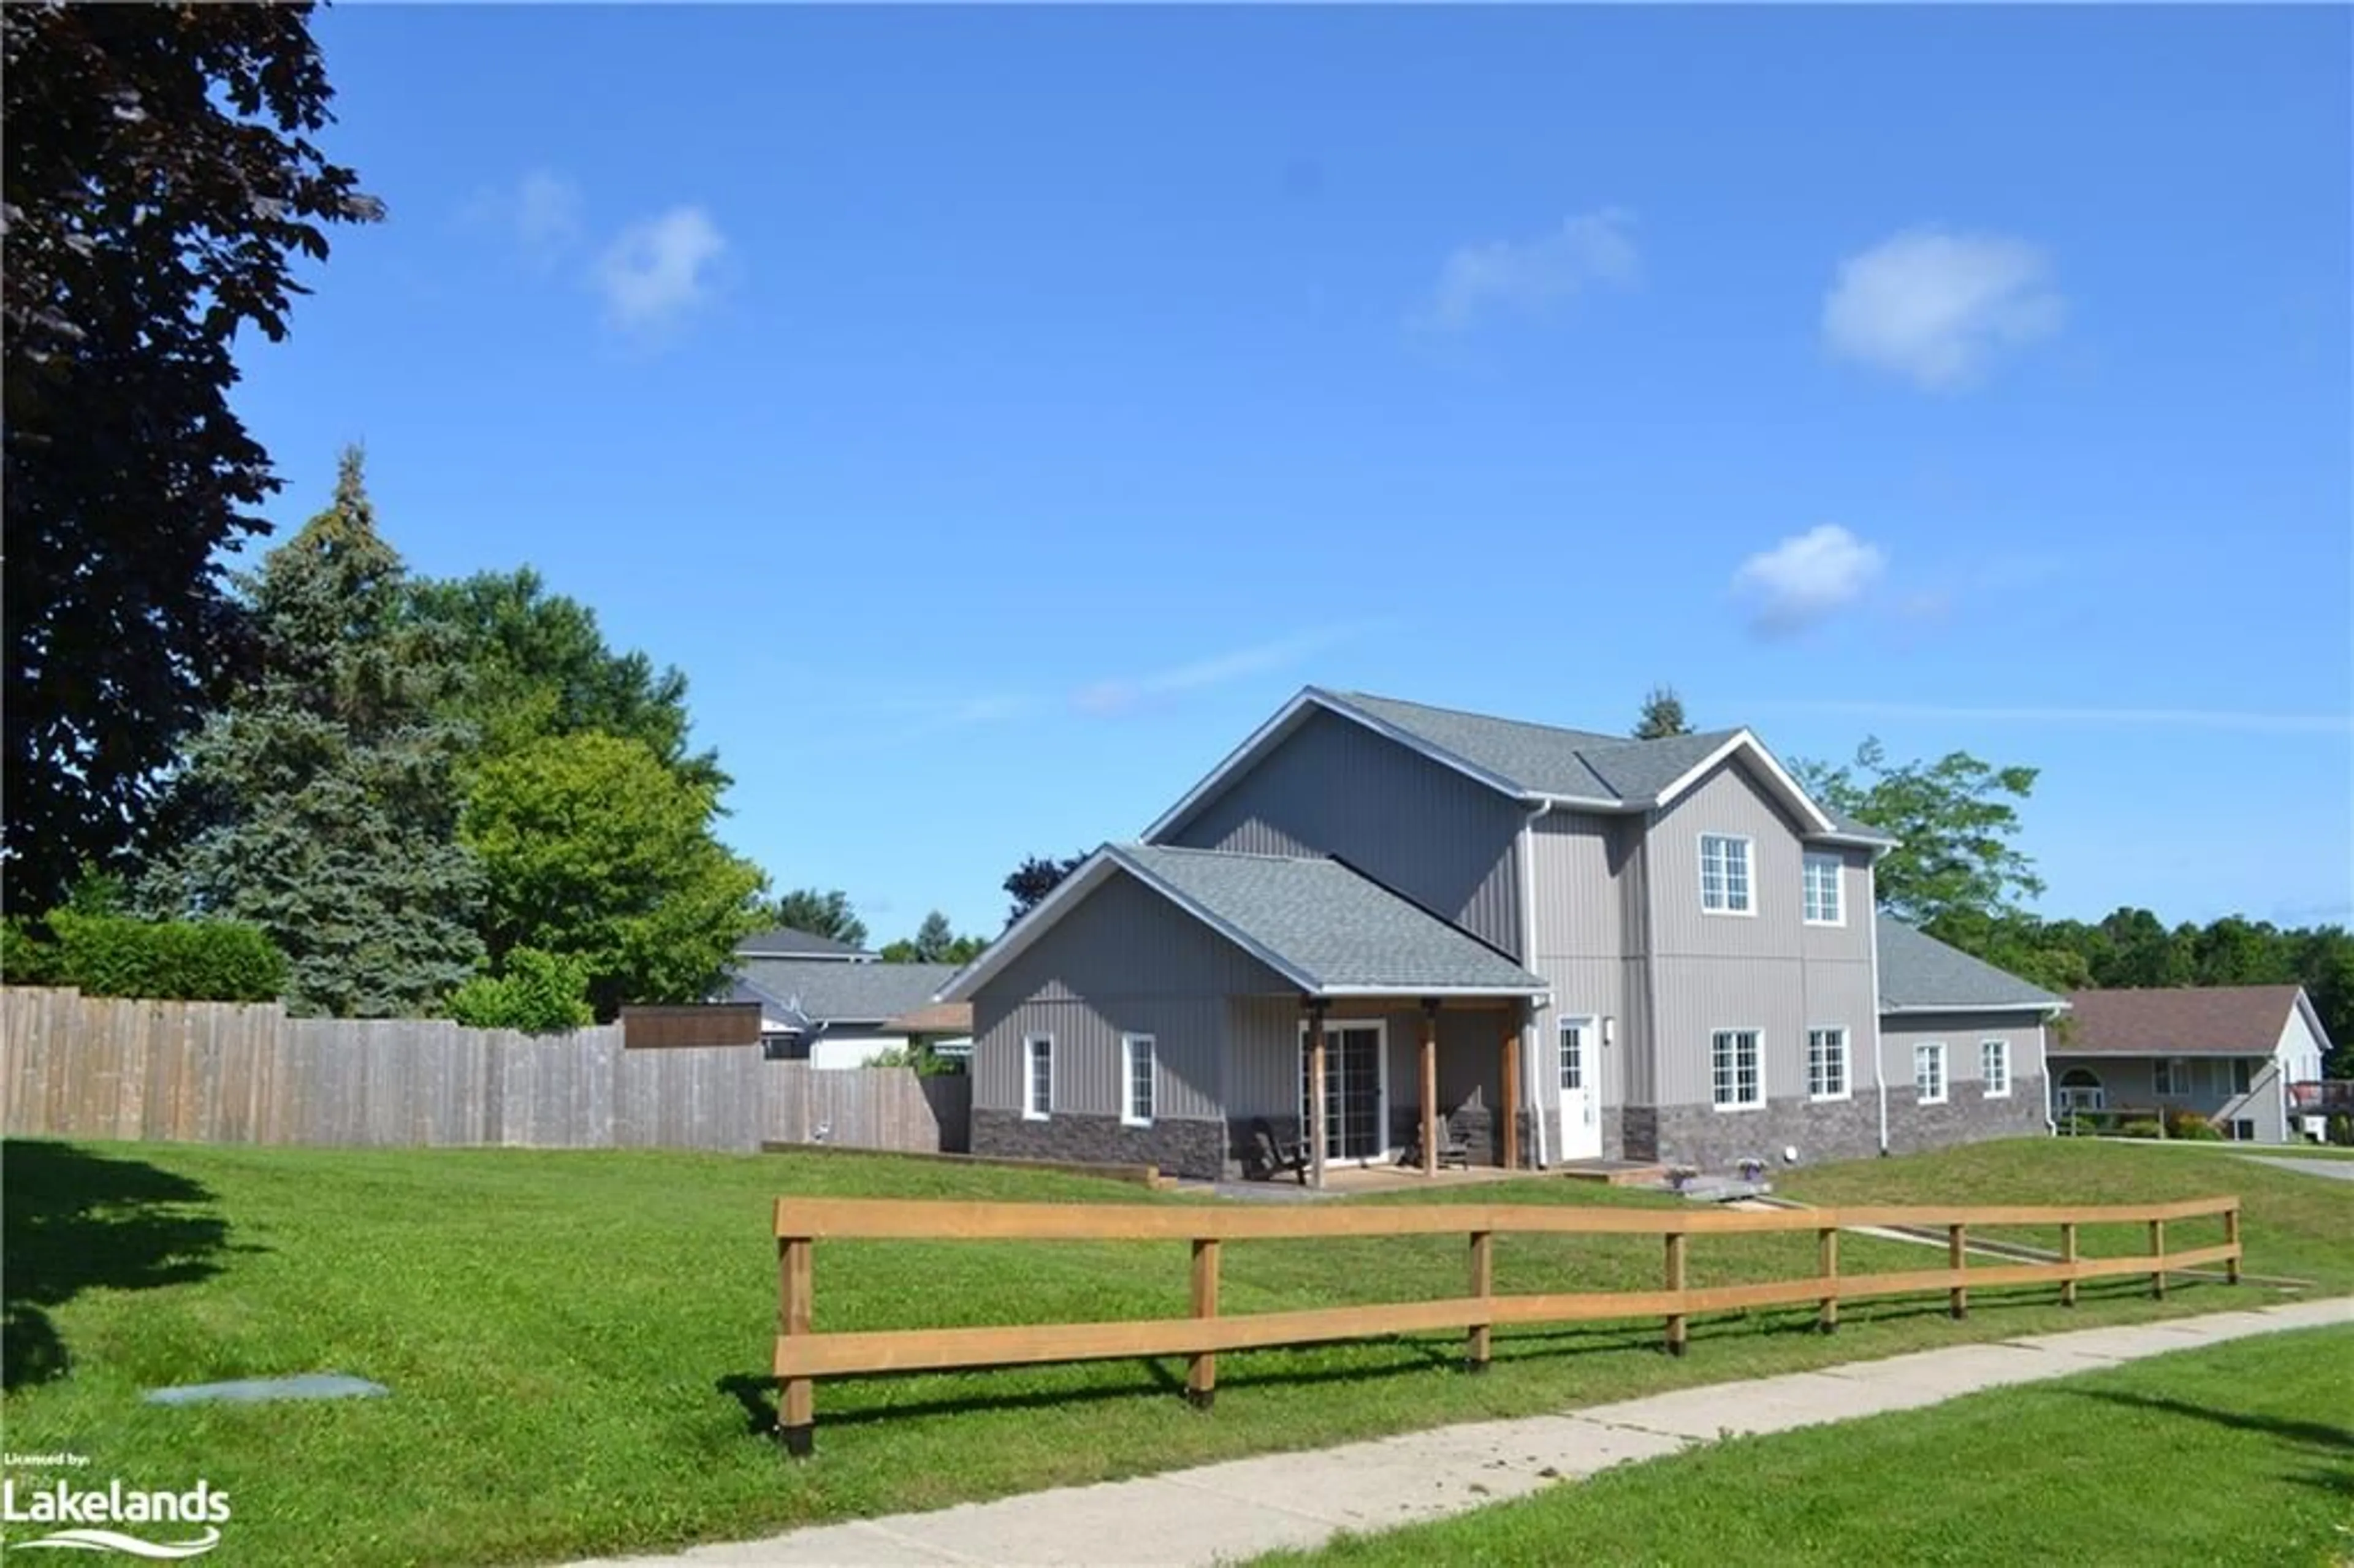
[(577, 1343), (2239, 1454)]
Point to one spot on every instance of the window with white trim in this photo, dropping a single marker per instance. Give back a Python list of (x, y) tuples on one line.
[(1827, 1064), (1820, 895), (1037, 1076), (2169, 1076), (2244, 1130), (1724, 886), (1736, 1071), (1929, 1074), (1135, 1062), (1994, 1068)]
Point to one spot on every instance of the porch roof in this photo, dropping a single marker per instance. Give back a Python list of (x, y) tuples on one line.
[(1326, 928)]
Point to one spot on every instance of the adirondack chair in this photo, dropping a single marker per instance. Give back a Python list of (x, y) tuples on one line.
[(1454, 1149), (1271, 1156)]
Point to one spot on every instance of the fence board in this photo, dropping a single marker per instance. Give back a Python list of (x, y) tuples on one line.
[(76, 1067)]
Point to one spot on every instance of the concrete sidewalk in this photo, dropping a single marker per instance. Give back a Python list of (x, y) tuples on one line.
[(1243, 1507)]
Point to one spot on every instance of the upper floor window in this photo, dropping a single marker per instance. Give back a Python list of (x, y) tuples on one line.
[(1994, 1068), (1136, 1051), (1734, 1070), (1724, 882), (1821, 893), (1037, 1076)]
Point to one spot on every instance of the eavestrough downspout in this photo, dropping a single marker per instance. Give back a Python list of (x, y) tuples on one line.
[(1530, 1056), (1879, 1047), (2043, 1065)]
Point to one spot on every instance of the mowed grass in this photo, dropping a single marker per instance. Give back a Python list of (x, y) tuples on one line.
[(578, 1343), (2243, 1453)]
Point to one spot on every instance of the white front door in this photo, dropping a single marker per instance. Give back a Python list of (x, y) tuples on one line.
[(1578, 1073)]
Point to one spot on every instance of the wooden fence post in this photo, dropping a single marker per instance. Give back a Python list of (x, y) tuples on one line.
[(2157, 1251), (1202, 1373), (1676, 1328), (1958, 1257), (2231, 1240), (1483, 1286), (1828, 1251), (797, 1411), (2068, 1255)]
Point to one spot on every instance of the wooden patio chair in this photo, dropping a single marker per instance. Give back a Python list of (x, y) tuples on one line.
[(1272, 1156), (1454, 1149)]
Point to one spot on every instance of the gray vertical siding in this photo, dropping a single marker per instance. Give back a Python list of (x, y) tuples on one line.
[(1334, 787), (1732, 800), (1125, 962), (1586, 891), (1962, 1033), (1262, 1073)]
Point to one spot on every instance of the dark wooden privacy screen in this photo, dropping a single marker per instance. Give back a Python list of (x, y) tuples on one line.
[(696, 1023), (804, 1355)]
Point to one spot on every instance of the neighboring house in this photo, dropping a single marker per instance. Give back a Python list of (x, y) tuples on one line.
[(830, 1009), (1572, 946), (2233, 1055), (784, 942)]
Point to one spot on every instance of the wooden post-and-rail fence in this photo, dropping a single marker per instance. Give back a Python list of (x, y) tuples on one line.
[(804, 1355)]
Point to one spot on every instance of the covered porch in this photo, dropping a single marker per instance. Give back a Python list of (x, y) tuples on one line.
[(1415, 1085)]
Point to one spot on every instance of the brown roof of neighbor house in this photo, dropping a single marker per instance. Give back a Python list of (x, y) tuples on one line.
[(938, 1017), (2234, 1020)]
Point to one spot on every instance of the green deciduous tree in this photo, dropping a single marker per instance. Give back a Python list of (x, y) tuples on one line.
[(160, 184), (1662, 716), (818, 914), (540, 994), (1956, 818), (320, 804), (593, 848), (535, 664)]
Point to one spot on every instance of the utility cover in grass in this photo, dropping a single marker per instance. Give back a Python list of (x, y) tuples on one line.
[(305, 1386)]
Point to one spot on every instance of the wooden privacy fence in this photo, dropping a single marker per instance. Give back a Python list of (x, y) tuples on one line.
[(804, 1355), (201, 1072)]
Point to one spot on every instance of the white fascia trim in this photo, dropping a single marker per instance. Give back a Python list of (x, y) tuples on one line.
[(1808, 810), (1413, 991), (1288, 718), (1029, 929)]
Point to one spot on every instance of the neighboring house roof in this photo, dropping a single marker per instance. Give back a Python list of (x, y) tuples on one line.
[(828, 991), (1537, 762), (2223, 1019), (1328, 929), (1920, 974), (784, 942), (934, 1018)]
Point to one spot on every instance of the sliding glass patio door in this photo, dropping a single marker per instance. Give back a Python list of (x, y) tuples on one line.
[(1356, 1113)]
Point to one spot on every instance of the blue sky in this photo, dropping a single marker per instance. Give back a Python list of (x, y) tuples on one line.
[(998, 413)]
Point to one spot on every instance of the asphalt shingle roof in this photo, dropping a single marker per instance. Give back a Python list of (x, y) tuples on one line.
[(1329, 922), (1543, 759), (2245, 1020), (1917, 971), (784, 942), (833, 992)]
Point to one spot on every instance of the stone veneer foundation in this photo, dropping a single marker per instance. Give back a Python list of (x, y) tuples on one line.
[(1717, 1141), (1177, 1147)]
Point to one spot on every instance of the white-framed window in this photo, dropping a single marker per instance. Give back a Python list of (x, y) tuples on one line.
[(1929, 1074), (1724, 882), (2243, 1129), (1736, 1070), (1136, 1068), (1821, 896), (1994, 1068), (2169, 1076), (2244, 1074), (1575, 1032), (1037, 1076), (1827, 1064)]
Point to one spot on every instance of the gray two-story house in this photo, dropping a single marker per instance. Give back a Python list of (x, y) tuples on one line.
[(1568, 946)]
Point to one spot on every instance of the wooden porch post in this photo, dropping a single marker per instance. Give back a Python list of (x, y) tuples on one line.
[(1513, 1088), (1315, 1093), (1430, 1086)]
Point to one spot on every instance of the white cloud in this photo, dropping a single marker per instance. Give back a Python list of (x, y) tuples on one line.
[(658, 269), (1807, 578), (1534, 277), (541, 213), (1104, 698), (1939, 308)]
